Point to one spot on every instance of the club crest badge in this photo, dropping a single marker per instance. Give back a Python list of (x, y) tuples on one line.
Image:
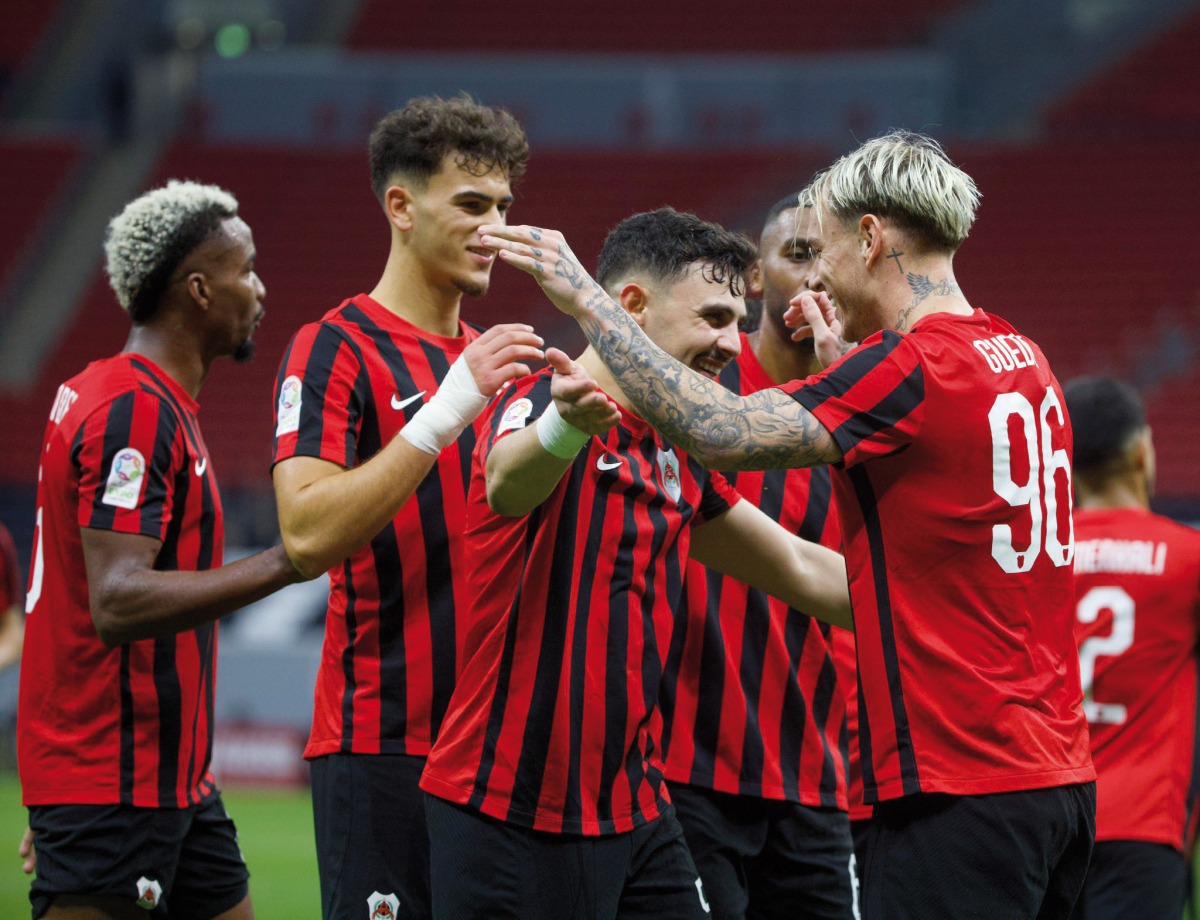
[(126, 477), (515, 415), (287, 418), (668, 472), (383, 906), (149, 893)]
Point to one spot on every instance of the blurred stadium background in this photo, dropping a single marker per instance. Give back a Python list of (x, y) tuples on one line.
[(1079, 119)]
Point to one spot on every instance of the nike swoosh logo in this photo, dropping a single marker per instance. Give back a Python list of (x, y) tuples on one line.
[(200, 466), (399, 404), (605, 464)]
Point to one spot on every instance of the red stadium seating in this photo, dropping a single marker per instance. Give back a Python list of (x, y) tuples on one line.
[(32, 174), (1152, 92), (25, 22), (666, 27)]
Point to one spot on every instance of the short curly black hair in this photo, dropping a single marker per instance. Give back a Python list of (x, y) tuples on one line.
[(414, 140), (1106, 415), (665, 242)]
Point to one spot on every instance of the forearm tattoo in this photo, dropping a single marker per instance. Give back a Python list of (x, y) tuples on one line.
[(766, 430)]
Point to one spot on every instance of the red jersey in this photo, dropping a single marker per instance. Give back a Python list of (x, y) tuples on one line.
[(1137, 582), (554, 724), (132, 724), (752, 701), (954, 498), (844, 661), (393, 628)]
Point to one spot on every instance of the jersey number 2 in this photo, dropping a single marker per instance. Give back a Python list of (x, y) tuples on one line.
[(1119, 640), (1040, 491)]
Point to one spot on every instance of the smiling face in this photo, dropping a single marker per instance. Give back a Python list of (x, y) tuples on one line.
[(445, 216), (233, 288), (694, 320), (839, 269)]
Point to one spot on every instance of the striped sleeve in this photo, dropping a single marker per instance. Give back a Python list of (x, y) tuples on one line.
[(515, 408), (871, 401), (321, 392), (128, 455), (717, 497)]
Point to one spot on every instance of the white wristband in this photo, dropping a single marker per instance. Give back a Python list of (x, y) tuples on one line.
[(559, 437), (453, 407)]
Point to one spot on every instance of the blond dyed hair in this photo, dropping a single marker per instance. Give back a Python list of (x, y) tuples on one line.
[(906, 178)]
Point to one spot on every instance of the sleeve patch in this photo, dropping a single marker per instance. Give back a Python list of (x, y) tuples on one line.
[(126, 479), (289, 407), (515, 415)]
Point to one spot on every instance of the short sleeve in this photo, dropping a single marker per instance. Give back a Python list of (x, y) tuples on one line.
[(128, 454), (516, 407), (320, 393), (871, 401), (716, 497)]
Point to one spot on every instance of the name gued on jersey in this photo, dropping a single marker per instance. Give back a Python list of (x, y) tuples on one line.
[(1005, 352)]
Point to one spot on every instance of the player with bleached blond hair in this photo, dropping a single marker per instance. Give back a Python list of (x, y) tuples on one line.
[(950, 449), (115, 723)]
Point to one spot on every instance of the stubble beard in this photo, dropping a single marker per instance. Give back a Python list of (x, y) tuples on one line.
[(470, 288), (244, 352)]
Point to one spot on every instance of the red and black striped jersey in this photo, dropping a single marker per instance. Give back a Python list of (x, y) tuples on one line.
[(954, 498), (554, 724), (394, 626), (133, 724), (752, 702), (1137, 586)]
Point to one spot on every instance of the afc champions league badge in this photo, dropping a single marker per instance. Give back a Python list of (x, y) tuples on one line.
[(668, 472), (383, 906), (125, 479)]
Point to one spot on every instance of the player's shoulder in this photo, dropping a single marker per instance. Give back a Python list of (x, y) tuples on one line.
[(106, 381)]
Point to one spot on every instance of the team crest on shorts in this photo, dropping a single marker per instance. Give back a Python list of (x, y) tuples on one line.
[(668, 471), (149, 893), (515, 415), (383, 906), (125, 479), (288, 416)]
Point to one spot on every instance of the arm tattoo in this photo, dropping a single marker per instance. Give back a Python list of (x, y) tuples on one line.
[(766, 430)]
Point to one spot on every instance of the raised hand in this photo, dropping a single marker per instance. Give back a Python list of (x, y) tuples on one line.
[(499, 355), (813, 315), (580, 401), (545, 255)]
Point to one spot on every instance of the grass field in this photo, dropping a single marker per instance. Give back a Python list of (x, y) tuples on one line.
[(275, 831)]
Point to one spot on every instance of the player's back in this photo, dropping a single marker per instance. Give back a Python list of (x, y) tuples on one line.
[(1138, 603), (954, 500)]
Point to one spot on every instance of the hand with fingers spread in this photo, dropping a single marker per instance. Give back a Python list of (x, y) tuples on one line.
[(545, 255), (580, 401), (500, 355), (813, 315)]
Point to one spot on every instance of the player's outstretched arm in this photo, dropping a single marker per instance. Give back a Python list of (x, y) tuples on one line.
[(132, 600), (327, 512), (767, 430), (524, 468), (746, 544)]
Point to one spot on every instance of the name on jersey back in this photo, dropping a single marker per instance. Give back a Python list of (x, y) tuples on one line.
[(1126, 557), (1005, 352)]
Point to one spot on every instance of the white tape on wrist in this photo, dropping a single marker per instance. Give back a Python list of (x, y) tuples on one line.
[(453, 407), (559, 437)]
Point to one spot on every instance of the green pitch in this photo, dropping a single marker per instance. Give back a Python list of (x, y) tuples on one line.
[(275, 831)]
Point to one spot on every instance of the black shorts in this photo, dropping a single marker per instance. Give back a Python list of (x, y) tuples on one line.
[(484, 869), (768, 860), (183, 862), (1131, 878), (372, 845), (1009, 854)]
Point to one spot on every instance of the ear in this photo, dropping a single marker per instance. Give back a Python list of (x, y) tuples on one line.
[(754, 279), (197, 288), (634, 298), (398, 202), (870, 239)]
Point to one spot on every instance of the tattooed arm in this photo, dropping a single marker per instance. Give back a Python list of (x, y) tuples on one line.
[(767, 430)]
